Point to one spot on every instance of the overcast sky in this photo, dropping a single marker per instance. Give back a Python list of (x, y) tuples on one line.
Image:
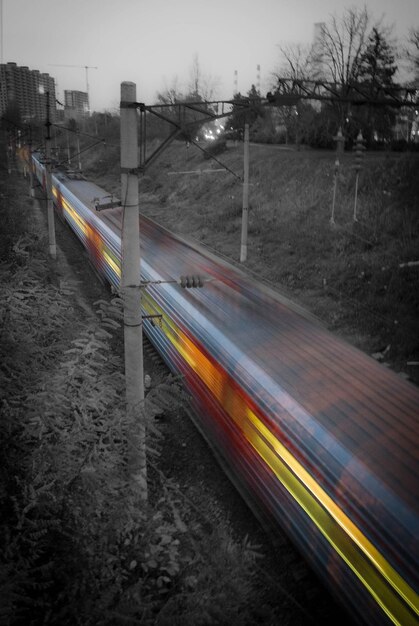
[(150, 42)]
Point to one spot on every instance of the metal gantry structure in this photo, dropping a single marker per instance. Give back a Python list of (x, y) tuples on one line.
[(176, 115), (288, 93), (290, 90)]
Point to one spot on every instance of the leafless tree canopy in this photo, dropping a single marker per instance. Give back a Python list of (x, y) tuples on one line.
[(413, 52), (170, 94), (342, 43), (298, 62), (201, 86), (336, 54)]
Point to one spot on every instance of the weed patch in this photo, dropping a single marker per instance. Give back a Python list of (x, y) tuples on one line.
[(76, 547)]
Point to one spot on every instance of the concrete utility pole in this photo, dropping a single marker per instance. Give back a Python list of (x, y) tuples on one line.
[(48, 180), (340, 143), (78, 148), (245, 213), (335, 185), (68, 150), (29, 155), (131, 291), (9, 155)]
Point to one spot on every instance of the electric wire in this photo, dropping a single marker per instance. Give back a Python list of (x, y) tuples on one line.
[(211, 156), (65, 161), (80, 132)]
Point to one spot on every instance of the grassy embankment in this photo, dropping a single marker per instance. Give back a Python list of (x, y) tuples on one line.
[(348, 274), (76, 547)]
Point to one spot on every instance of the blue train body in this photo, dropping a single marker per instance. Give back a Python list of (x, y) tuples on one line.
[(321, 436)]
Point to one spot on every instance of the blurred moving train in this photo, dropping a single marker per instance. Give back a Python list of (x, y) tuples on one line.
[(323, 438)]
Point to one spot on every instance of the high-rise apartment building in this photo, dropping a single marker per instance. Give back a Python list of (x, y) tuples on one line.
[(76, 104), (28, 90)]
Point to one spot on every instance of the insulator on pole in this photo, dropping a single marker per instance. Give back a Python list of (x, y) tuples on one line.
[(191, 282), (359, 149)]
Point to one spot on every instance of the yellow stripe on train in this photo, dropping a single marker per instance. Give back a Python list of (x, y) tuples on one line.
[(388, 588), (74, 215)]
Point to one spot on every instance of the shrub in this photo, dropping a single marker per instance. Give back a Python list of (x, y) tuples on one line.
[(76, 546)]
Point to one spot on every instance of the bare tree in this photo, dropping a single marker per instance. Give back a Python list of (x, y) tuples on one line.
[(412, 52), (342, 43), (171, 94), (297, 62), (201, 86), (195, 78)]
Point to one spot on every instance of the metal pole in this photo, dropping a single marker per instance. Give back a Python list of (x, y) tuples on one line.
[(68, 150), (355, 219), (31, 186), (9, 155), (57, 156), (87, 90), (78, 149), (48, 180), (131, 289), (335, 184), (245, 213)]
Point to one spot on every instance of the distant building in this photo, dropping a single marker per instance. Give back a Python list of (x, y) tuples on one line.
[(27, 90), (76, 104)]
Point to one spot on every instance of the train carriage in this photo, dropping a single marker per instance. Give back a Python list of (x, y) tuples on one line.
[(314, 431)]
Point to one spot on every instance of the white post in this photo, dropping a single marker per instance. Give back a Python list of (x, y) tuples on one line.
[(355, 218), (48, 180), (29, 153), (78, 149), (131, 289), (245, 213), (9, 155), (335, 184), (68, 150)]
